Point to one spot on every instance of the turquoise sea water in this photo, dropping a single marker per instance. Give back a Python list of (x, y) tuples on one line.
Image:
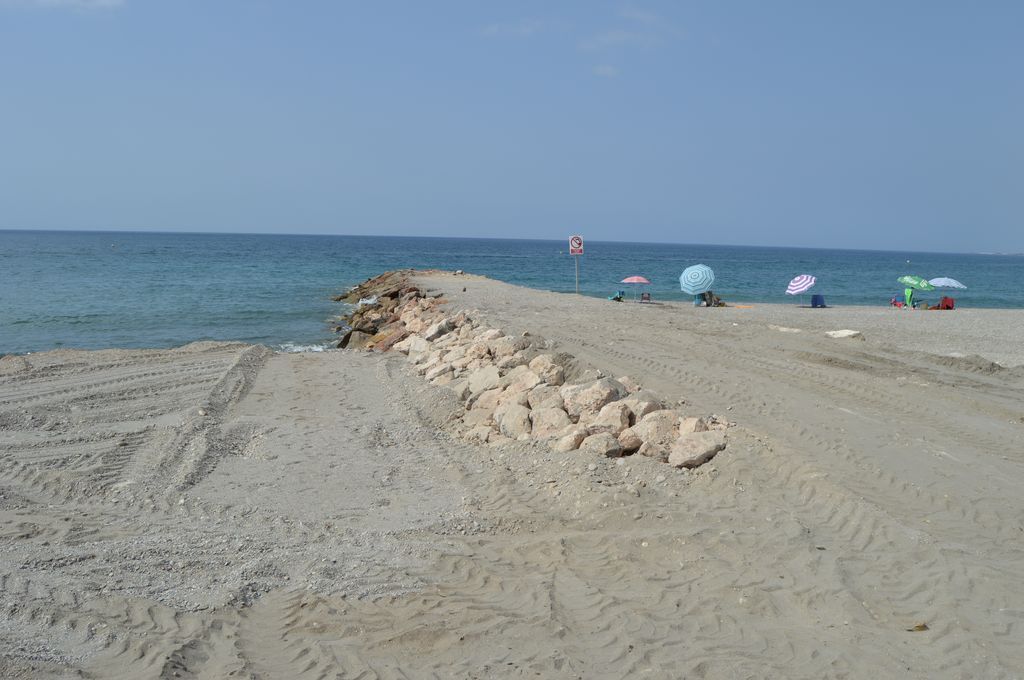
[(117, 289)]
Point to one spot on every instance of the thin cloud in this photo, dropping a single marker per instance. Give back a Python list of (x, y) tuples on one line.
[(637, 28), (606, 71), (618, 38), (519, 29)]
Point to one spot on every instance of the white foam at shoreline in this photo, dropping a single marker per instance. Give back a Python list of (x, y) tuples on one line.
[(293, 348)]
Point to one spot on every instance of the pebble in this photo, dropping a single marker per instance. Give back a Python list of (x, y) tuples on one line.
[(659, 479), (592, 467)]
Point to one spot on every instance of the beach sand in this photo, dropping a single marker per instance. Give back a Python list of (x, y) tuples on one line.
[(222, 511)]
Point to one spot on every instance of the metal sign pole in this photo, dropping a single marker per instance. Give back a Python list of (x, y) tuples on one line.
[(577, 259)]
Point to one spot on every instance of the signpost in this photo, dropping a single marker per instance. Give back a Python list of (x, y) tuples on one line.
[(576, 249)]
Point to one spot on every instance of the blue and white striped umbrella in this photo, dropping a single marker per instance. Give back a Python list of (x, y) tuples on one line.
[(696, 279), (945, 282)]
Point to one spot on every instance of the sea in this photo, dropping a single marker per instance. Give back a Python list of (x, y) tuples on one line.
[(90, 290)]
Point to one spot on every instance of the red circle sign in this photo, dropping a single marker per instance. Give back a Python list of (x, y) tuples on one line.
[(576, 242)]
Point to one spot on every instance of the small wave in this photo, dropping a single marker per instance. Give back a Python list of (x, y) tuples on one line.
[(367, 301), (292, 348)]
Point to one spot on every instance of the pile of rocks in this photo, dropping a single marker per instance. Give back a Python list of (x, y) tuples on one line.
[(512, 390)]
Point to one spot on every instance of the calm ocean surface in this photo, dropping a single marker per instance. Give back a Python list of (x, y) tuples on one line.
[(117, 289)]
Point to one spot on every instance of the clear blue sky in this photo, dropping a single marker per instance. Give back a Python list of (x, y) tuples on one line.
[(890, 124)]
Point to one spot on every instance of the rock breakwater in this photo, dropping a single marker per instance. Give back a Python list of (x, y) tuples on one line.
[(514, 388)]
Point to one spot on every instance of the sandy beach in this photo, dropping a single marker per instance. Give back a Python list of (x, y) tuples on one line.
[(220, 510)]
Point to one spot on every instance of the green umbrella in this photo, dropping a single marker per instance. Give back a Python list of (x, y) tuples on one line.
[(911, 281)]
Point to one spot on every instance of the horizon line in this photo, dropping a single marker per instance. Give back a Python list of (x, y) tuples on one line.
[(501, 238)]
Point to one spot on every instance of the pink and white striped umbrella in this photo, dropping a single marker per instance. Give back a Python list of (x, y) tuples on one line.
[(800, 284)]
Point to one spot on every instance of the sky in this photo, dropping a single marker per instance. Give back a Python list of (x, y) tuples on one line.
[(860, 124)]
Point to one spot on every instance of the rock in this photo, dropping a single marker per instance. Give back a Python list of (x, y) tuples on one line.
[(602, 444), (629, 440), (545, 396), (391, 340), (631, 385), (517, 359), (524, 381), (480, 434), (693, 449), (510, 397), (642, 404), (478, 350), (590, 397), (657, 430), (548, 422), (513, 420), (487, 399), (355, 340), (550, 372), (613, 419), (507, 346), (438, 370), (691, 424), (478, 416), (460, 388), (570, 440), (484, 379), (488, 335), (846, 333), (444, 378)]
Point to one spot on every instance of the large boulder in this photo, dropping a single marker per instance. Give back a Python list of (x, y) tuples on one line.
[(355, 340), (484, 379), (478, 416), (460, 388), (524, 381), (478, 350), (602, 444), (545, 396), (630, 440), (693, 424), (588, 398), (507, 346), (548, 422), (657, 430), (613, 418), (517, 359), (391, 340), (437, 370), (487, 399), (550, 372), (643, 402), (488, 335), (513, 420), (570, 439), (693, 449)]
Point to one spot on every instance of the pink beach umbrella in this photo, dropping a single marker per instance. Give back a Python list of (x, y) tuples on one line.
[(800, 284), (636, 280)]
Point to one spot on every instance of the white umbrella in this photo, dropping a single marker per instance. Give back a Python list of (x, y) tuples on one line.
[(944, 282)]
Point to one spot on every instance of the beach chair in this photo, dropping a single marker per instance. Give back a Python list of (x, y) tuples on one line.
[(818, 301), (645, 297), (618, 297)]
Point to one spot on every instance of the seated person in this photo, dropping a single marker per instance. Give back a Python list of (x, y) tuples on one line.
[(712, 300), (645, 297)]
